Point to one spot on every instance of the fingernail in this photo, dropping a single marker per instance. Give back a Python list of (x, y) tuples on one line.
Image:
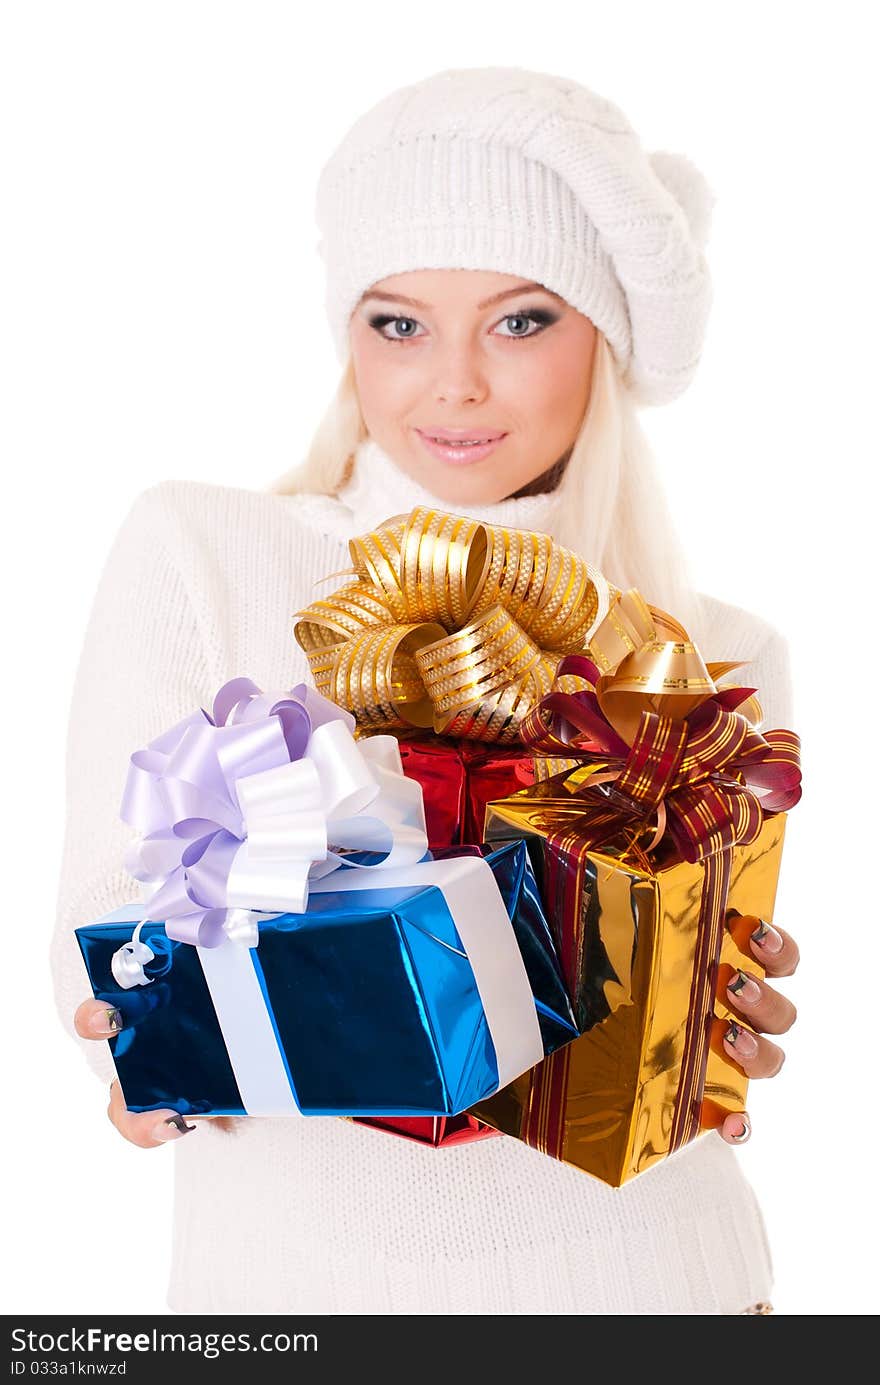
[(767, 938), (106, 1022), (747, 991), (741, 1040), (746, 1130), (171, 1129)]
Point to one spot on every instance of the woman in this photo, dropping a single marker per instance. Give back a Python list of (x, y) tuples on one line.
[(509, 277)]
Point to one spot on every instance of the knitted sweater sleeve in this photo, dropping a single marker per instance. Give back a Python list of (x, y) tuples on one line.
[(729, 632), (142, 667), (770, 673)]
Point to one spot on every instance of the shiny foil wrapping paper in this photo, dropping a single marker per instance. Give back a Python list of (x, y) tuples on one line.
[(649, 976), (375, 1004), (459, 778), (438, 1132)]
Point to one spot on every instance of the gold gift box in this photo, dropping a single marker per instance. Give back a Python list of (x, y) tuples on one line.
[(651, 1073)]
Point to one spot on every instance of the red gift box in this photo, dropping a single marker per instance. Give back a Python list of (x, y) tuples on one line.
[(459, 778), (438, 1131)]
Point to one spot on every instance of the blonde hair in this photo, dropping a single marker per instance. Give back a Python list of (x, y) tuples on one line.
[(612, 508)]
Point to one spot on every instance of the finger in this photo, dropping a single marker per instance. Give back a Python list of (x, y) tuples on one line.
[(147, 1129), (760, 1005), (756, 1056), (775, 949), (736, 1129), (95, 1019)]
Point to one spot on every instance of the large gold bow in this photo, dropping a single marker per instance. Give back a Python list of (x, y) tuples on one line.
[(450, 624)]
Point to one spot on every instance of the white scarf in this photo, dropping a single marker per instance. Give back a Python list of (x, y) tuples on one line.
[(378, 489)]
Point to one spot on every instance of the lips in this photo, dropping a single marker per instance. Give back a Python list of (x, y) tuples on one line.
[(459, 448), (459, 435)]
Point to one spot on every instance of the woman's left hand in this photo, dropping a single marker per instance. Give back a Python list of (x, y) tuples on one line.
[(762, 1009)]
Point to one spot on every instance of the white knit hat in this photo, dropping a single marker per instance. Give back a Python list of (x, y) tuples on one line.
[(521, 172)]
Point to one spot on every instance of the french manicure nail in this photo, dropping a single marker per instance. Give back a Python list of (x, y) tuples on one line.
[(746, 1130), (747, 991), (767, 938), (106, 1022), (171, 1129), (742, 1040)]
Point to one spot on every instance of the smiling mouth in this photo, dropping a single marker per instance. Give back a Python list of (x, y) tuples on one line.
[(459, 452), (451, 438)]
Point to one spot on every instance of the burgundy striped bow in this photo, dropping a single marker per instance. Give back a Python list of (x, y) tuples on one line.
[(709, 775)]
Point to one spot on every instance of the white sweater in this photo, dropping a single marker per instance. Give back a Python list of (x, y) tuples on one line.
[(319, 1215)]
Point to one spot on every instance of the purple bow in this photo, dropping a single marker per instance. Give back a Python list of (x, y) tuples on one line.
[(185, 794)]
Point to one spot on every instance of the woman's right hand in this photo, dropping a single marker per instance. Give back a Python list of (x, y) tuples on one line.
[(148, 1129)]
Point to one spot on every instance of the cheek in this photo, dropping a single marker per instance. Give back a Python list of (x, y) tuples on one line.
[(384, 389), (563, 381), (368, 371), (550, 386)]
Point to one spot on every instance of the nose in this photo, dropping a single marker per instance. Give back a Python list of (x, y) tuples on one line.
[(460, 377)]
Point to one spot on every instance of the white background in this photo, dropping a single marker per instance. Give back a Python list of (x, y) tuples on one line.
[(162, 317)]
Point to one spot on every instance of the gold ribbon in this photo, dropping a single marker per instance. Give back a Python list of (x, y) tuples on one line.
[(451, 624), (647, 661)]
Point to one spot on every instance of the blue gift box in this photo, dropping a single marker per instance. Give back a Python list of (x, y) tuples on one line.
[(369, 1003)]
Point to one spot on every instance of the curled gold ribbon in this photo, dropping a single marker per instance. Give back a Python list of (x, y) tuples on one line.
[(644, 661), (451, 624), (648, 662)]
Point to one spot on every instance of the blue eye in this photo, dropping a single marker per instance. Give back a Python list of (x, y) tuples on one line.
[(536, 316), (383, 320)]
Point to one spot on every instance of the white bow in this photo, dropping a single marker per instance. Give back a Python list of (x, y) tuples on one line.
[(303, 818)]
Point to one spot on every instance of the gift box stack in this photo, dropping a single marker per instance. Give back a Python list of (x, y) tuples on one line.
[(485, 878)]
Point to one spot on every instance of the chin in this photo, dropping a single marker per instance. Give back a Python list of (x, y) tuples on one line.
[(456, 490), (460, 485)]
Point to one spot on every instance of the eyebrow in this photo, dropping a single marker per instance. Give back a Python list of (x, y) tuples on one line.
[(516, 291)]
